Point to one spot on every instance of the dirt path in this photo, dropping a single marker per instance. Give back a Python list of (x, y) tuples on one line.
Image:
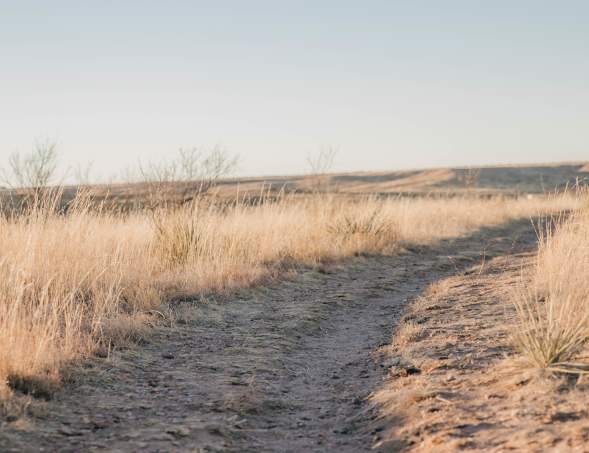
[(285, 368)]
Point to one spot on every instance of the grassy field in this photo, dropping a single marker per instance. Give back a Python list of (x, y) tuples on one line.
[(88, 281)]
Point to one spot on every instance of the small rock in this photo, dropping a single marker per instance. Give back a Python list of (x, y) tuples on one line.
[(178, 431), (403, 371), (68, 431), (101, 423)]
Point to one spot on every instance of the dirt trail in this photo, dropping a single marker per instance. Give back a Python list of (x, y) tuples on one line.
[(285, 368)]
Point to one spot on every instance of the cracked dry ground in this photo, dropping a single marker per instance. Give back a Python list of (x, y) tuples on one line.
[(283, 368)]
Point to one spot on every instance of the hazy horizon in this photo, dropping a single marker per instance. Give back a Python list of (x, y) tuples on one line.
[(393, 86)]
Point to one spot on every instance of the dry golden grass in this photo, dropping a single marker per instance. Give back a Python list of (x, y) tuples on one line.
[(74, 284), (408, 332), (554, 308)]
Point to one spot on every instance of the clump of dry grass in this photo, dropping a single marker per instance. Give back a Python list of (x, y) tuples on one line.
[(408, 332), (76, 283), (371, 228), (177, 235), (553, 309)]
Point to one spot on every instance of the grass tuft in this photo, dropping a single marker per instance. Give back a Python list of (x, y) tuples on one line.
[(177, 236), (553, 307)]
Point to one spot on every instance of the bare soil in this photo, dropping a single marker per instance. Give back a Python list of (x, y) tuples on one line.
[(298, 366)]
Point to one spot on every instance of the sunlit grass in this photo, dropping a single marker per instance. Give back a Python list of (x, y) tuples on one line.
[(76, 283)]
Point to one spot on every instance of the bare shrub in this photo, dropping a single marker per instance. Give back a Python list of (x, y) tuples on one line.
[(34, 170), (83, 173), (187, 176), (320, 164), (29, 175)]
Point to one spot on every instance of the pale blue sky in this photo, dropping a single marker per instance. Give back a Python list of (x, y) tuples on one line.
[(394, 84)]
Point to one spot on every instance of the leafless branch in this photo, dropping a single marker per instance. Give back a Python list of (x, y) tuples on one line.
[(320, 164), (191, 173)]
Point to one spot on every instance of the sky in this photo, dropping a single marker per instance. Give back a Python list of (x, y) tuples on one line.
[(391, 84)]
